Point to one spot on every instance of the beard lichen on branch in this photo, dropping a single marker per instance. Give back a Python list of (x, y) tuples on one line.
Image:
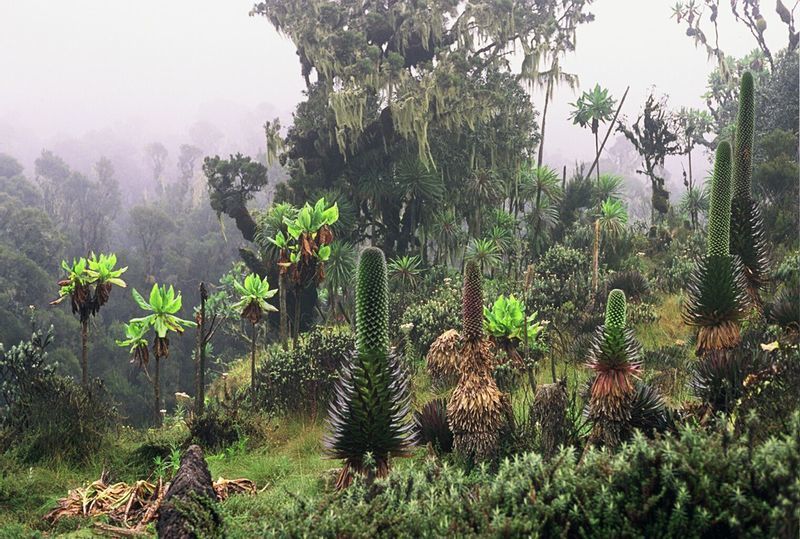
[(413, 59)]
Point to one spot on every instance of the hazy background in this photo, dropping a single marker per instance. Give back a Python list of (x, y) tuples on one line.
[(97, 77)]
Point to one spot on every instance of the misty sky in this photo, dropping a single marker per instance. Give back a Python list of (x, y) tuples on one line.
[(91, 70)]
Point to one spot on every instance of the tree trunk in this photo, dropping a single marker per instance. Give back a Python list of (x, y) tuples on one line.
[(200, 389), (85, 353), (157, 393), (693, 209), (544, 121), (296, 328), (597, 154), (253, 359), (596, 256), (284, 314)]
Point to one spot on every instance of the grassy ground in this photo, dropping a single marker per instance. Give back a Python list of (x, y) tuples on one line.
[(289, 464)]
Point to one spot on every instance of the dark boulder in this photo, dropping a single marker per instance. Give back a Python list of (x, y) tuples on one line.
[(189, 509)]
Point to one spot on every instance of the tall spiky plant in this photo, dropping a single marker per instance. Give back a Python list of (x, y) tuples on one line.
[(614, 359), (477, 408), (717, 294), (747, 240), (369, 414)]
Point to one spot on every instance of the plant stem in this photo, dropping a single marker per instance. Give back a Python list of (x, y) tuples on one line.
[(296, 328), (284, 314), (157, 394), (253, 359), (85, 353), (596, 255)]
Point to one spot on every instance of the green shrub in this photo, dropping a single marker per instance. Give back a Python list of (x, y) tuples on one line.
[(300, 380), (691, 484), (433, 316), (45, 415)]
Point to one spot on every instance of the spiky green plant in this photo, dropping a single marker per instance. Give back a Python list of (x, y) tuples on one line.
[(252, 304), (368, 417), (614, 357), (477, 409), (717, 289), (747, 240), (405, 270)]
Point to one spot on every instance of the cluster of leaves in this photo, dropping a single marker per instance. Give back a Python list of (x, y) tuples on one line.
[(300, 380), (163, 305), (82, 274), (307, 240), (253, 296), (506, 320), (694, 483)]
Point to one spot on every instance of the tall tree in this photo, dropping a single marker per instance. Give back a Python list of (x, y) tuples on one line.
[(654, 136), (692, 125), (432, 79), (593, 108)]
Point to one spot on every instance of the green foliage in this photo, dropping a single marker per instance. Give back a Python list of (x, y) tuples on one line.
[(368, 418), (593, 108), (433, 315), (163, 305), (253, 296), (44, 415), (483, 252), (300, 380), (616, 310), (506, 319), (102, 270), (309, 220), (693, 484), (405, 270), (719, 213)]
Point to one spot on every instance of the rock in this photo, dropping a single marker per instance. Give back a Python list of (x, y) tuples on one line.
[(189, 509)]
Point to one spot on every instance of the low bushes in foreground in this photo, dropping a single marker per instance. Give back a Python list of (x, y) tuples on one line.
[(690, 484)]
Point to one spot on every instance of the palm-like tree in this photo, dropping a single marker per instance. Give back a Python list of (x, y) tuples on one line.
[(252, 304), (540, 186), (550, 79), (611, 221), (405, 271), (694, 203), (483, 189), (339, 271), (608, 186), (484, 253), (447, 228), (88, 285), (591, 109), (163, 305)]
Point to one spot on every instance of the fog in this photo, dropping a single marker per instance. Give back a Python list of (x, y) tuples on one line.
[(93, 77)]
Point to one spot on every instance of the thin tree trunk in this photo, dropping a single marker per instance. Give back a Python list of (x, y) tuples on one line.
[(596, 256), (284, 314), (157, 393), (296, 328), (253, 359), (85, 353), (597, 154), (692, 209), (200, 392), (544, 121)]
